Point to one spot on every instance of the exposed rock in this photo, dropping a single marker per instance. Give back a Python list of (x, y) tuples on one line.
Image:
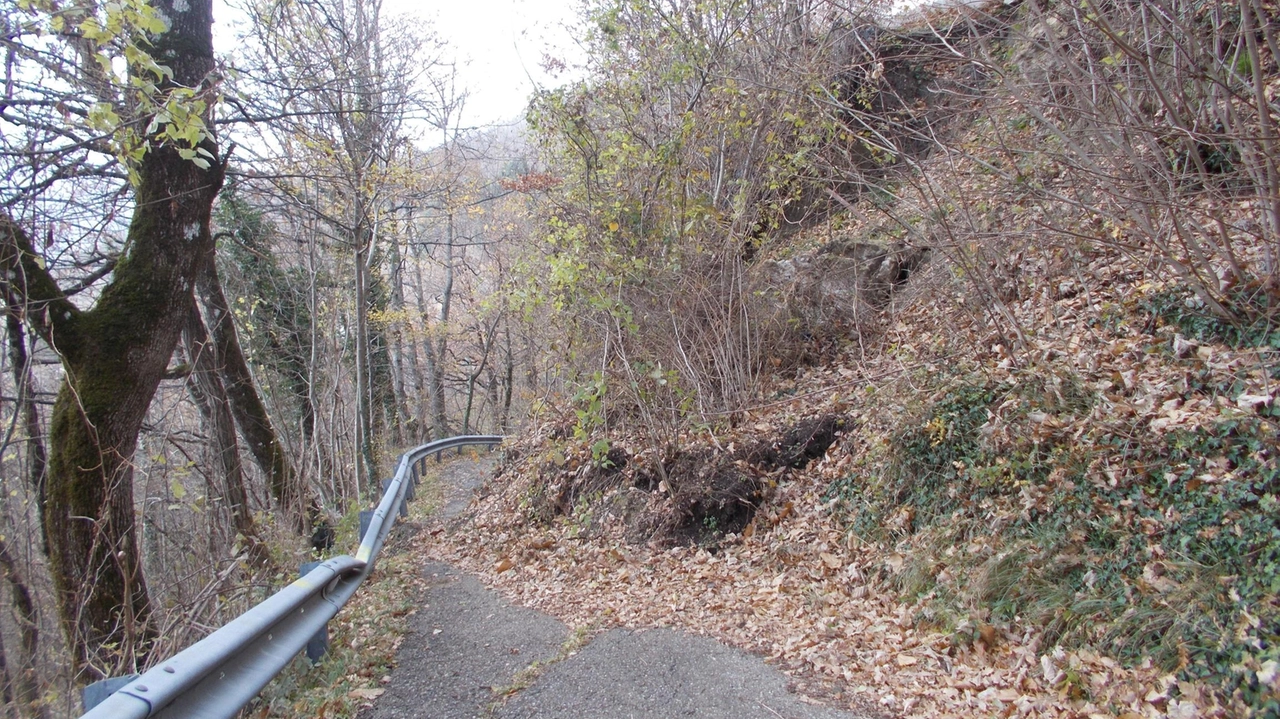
[(842, 279)]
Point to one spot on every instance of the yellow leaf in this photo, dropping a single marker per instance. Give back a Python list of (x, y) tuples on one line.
[(613, 226)]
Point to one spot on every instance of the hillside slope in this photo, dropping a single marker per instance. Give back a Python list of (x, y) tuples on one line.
[(1033, 469), (1084, 532)]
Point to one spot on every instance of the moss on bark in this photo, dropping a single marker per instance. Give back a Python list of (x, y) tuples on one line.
[(114, 357)]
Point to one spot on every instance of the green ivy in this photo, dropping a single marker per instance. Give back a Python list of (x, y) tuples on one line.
[(1200, 506), (1180, 307)]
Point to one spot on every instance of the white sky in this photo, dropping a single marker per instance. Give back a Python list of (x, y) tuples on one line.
[(499, 46)]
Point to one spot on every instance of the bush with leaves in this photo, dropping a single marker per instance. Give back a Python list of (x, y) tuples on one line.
[(698, 134)]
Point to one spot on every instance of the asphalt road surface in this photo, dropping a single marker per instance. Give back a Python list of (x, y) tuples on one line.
[(472, 654)]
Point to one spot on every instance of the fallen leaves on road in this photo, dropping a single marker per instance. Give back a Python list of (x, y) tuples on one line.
[(795, 587), (840, 636)]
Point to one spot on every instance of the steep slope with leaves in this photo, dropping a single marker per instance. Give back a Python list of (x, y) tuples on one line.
[(1037, 477), (1085, 533)]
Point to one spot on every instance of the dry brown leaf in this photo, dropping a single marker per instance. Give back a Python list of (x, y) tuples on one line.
[(894, 562), (987, 634)]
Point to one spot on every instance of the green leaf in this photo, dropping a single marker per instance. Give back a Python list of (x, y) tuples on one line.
[(152, 24)]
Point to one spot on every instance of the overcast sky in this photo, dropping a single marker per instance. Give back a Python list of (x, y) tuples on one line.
[(499, 46)]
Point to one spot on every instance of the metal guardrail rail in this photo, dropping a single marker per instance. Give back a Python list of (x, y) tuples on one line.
[(218, 675)]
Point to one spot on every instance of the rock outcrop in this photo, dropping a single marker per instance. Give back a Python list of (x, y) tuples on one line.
[(841, 280)]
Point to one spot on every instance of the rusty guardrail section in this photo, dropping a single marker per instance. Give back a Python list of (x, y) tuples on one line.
[(218, 675)]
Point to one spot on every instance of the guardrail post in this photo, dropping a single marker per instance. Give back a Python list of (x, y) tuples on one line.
[(318, 644), (366, 518), (97, 692)]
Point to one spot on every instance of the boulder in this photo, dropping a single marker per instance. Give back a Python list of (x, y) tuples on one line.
[(842, 279)]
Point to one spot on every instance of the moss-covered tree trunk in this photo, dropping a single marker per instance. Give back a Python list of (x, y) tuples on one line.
[(114, 356)]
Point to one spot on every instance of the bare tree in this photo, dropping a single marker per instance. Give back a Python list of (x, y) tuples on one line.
[(341, 82)]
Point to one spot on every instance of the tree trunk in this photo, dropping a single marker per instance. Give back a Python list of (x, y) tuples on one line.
[(245, 404), (25, 382), (318, 461), (364, 375), (430, 413), (26, 683), (114, 356), (491, 386), (486, 346), (6, 682), (437, 347), (400, 382), (507, 384), (413, 384), (210, 396)]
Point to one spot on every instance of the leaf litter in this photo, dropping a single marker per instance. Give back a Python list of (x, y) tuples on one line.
[(827, 607)]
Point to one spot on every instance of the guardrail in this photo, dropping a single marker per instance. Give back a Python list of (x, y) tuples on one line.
[(218, 675)]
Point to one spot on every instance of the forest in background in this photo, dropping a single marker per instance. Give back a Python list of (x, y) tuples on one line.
[(337, 296), (239, 282)]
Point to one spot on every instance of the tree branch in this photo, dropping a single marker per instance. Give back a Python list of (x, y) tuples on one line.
[(88, 281), (28, 288)]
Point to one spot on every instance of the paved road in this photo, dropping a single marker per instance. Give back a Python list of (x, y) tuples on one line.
[(469, 653)]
